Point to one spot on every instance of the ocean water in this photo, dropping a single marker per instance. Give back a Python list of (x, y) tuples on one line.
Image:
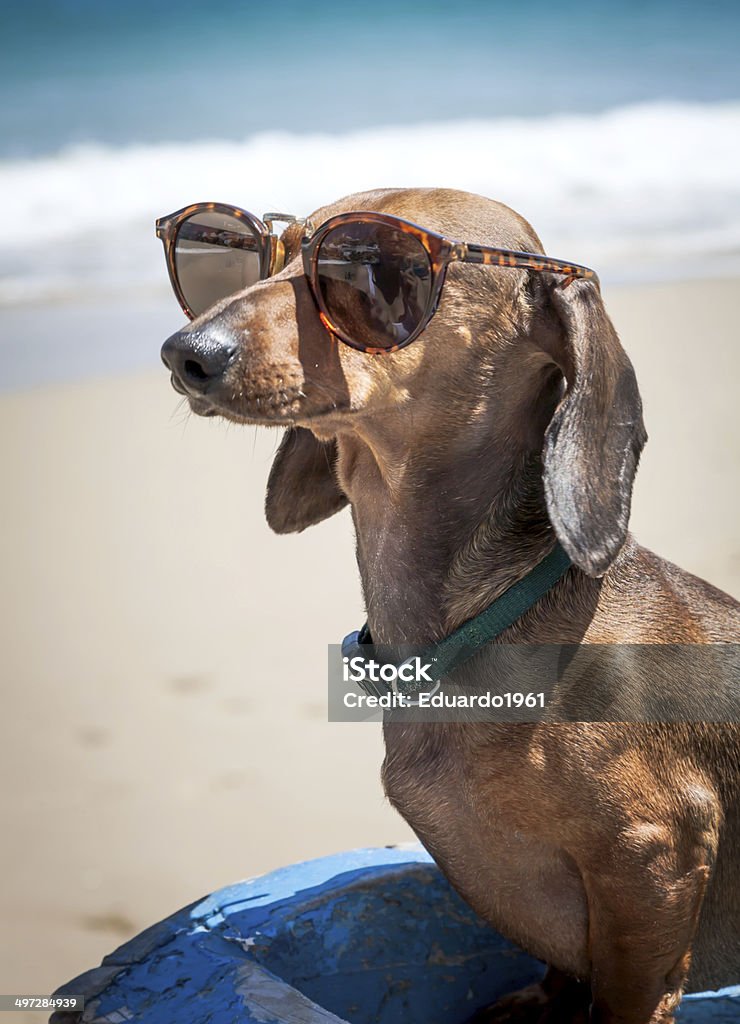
[(614, 128)]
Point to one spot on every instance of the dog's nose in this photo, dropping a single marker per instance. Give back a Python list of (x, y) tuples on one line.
[(198, 358)]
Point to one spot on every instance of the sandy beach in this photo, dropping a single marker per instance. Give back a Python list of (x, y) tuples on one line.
[(163, 729)]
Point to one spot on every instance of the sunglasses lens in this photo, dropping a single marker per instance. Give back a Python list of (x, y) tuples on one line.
[(215, 255), (375, 283)]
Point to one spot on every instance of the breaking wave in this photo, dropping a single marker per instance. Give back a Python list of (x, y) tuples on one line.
[(644, 191)]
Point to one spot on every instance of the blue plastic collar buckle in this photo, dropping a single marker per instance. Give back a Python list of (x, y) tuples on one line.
[(353, 647)]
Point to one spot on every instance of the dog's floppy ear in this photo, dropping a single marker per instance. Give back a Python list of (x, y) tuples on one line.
[(594, 440), (302, 488)]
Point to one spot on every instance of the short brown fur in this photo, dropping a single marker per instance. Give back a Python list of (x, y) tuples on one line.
[(610, 851)]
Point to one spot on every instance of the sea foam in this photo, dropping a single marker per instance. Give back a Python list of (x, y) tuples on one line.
[(644, 191)]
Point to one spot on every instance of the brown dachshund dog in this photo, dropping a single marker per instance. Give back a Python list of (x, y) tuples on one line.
[(609, 851)]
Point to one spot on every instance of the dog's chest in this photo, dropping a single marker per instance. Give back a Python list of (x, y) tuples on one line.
[(525, 886)]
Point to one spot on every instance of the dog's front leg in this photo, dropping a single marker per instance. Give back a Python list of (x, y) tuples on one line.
[(642, 921)]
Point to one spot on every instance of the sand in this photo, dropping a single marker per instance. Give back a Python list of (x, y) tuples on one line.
[(163, 722)]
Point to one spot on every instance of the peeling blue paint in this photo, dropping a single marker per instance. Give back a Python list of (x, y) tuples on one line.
[(372, 937)]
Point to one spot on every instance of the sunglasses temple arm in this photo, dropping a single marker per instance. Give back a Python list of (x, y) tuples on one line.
[(490, 256)]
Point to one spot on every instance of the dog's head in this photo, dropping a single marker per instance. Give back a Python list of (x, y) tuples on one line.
[(264, 356)]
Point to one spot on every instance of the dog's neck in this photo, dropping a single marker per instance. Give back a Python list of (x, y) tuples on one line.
[(449, 510)]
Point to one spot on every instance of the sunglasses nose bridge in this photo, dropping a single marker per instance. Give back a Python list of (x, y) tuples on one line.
[(278, 255)]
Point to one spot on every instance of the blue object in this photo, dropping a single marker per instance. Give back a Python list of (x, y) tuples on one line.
[(372, 936)]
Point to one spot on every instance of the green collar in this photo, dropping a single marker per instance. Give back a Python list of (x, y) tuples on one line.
[(456, 648)]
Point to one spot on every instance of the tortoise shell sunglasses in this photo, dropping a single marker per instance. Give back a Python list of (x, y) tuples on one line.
[(376, 279)]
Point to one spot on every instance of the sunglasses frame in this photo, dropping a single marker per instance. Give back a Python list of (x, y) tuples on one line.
[(440, 251), (269, 247)]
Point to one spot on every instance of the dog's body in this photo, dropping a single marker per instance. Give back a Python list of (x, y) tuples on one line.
[(528, 820), (612, 852)]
